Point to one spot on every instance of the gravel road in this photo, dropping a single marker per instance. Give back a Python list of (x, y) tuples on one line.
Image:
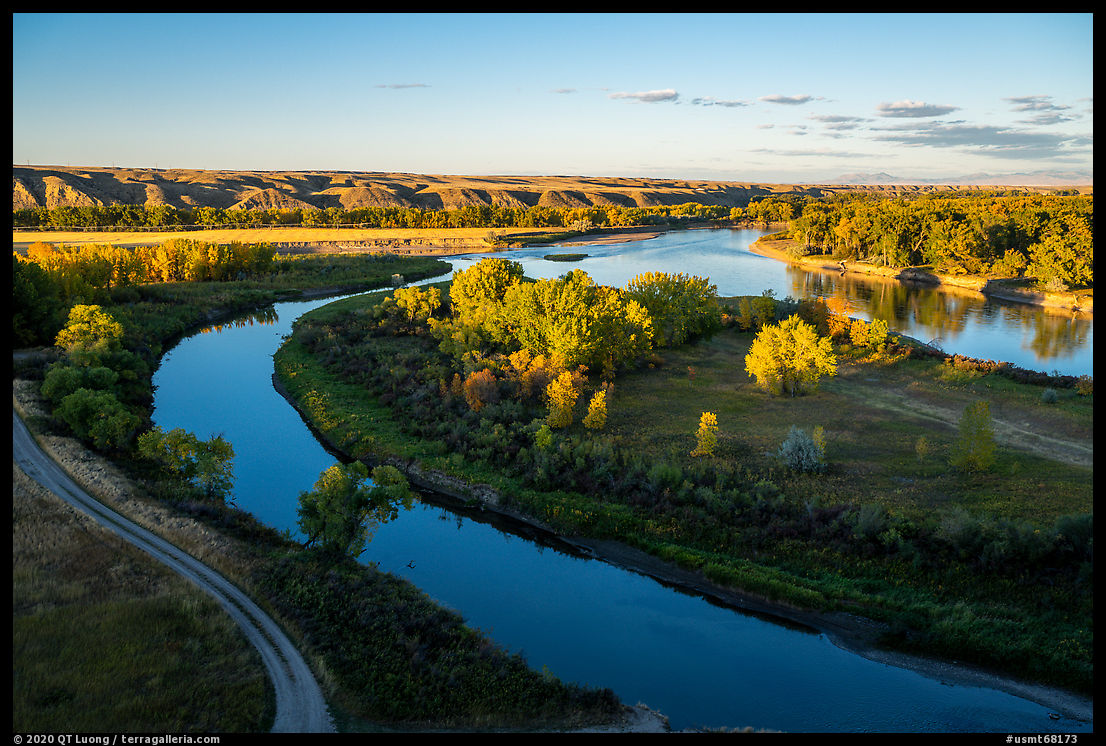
[(300, 707)]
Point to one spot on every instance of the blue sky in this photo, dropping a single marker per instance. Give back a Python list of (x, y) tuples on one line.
[(734, 97)]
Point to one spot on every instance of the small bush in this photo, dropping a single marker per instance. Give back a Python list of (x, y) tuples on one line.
[(975, 448), (801, 451), (1049, 396), (922, 448), (596, 417), (706, 435), (1084, 386), (480, 389)]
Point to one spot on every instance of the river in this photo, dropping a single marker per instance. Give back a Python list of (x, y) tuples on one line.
[(956, 322), (701, 664)]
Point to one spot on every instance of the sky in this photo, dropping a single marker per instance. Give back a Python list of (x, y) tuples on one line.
[(775, 98)]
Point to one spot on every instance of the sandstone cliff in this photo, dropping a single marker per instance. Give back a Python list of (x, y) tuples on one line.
[(51, 186)]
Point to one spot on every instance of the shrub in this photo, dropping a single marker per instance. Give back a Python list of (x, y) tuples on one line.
[(858, 332), (922, 448), (1084, 386), (480, 389), (62, 380), (561, 395), (543, 438), (975, 447), (1049, 396), (707, 435), (99, 417), (596, 418), (801, 451), (871, 521)]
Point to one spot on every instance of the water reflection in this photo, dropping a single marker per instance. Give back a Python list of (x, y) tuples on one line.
[(263, 316), (941, 317), (957, 321)]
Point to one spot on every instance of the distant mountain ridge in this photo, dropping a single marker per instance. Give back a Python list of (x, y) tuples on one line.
[(1033, 178), (55, 186)]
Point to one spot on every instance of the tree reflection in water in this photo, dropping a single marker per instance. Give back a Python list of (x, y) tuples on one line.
[(265, 316), (936, 316)]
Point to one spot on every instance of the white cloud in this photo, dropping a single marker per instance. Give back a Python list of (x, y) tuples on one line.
[(914, 109), (711, 101), (649, 97), (997, 142), (838, 121), (1035, 103), (789, 100)]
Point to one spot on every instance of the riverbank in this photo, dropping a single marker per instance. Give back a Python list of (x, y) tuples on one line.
[(1076, 302), (848, 631), (240, 558), (467, 659)]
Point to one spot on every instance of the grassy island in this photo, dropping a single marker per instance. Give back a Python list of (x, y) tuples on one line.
[(855, 500)]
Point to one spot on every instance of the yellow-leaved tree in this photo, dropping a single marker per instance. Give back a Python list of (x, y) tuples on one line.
[(596, 418), (562, 394), (707, 435), (790, 358)]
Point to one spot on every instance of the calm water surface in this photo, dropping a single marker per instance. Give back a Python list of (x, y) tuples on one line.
[(587, 621), (1018, 333)]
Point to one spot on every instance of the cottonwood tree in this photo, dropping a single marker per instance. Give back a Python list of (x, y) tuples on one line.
[(680, 306), (596, 418), (790, 358), (90, 334), (577, 322), (562, 394), (206, 463), (344, 510)]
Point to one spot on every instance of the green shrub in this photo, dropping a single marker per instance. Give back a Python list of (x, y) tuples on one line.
[(801, 451), (975, 447)]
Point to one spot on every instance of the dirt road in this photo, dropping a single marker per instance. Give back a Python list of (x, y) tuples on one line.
[(300, 706)]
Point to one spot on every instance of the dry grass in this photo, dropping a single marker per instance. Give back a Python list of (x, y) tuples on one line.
[(471, 237), (106, 639)]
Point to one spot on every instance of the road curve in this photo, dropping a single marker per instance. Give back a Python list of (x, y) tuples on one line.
[(300, 707)]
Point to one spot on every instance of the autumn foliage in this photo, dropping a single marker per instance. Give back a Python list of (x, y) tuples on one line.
[(790, 358)]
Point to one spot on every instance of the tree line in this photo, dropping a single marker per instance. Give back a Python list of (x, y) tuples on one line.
[(1049, 237), (175, 260), (470, 216)]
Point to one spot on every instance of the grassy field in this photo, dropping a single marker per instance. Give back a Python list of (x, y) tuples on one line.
[(873, 412), (468, 237), (792, 537), (105, 639)]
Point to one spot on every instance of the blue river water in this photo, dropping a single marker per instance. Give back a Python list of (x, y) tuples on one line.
[(701, 664)]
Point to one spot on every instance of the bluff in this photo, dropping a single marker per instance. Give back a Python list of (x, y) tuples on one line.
[(55, 186)]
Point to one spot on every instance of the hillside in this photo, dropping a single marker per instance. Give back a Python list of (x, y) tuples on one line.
[(52, 186)]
